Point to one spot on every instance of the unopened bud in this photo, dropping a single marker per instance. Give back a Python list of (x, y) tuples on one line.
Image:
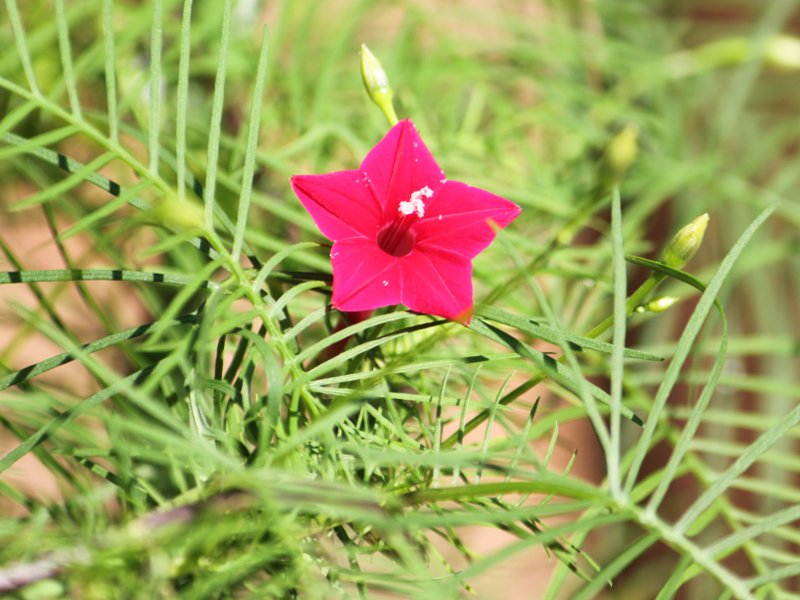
[(178, 214), (377, 83), (622, 150), (657, 305), (783, 52), (683, 246)]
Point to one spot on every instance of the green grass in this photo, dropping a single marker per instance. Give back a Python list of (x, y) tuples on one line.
[(184, 429)]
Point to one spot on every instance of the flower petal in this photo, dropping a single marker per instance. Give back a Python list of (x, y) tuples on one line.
[(399, 165), (457, 219), (340, 203), (400, 183), (364, 276), (437, 283)]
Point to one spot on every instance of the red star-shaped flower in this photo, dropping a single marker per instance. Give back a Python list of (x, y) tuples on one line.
[(401, 232)]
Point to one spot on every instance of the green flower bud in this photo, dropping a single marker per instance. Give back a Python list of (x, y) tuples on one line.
[(683, 246), (622, 150), (377, 84), (178, 214), (778, 51), (783, 52), (657, 305)]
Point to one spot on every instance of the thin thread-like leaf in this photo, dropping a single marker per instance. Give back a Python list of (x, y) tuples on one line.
[(755, 451), (182, 102), (17, 114), (550, 367), (545, 483), (346, 332), (113, 188), (50, 428), (110, 70), (66, 59), (775, 574), (619, 328), (154, 96), (22, 45), (765, 525), (461, 419), (75, 178), (71, 166), (616, 565), (216, 117), (251, 148), (102, 275), (29, 372), (685, 343), (553, 336), (47, 138), (696, 417), (105, 210)]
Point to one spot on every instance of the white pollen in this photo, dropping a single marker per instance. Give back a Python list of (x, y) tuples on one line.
[(385, 283), (415, 203)]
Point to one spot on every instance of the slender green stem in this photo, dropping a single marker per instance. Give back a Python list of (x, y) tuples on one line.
[(22, 46), (183, 99), (154, 122), (66, 58), (634, 300), (110, 71), (99, 275), (216, 117), (617, 364)]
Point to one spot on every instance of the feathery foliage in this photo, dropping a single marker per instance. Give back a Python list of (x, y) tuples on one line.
[(182, 414)]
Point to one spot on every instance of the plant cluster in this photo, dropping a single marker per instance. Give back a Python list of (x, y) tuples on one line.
[(220, 382)]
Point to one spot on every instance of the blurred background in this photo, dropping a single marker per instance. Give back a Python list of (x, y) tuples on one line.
[(689, 106)]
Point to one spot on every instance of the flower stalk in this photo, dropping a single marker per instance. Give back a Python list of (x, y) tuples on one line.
[(678, 251)]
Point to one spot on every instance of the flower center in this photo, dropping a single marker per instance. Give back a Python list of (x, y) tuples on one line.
[(397, 238)]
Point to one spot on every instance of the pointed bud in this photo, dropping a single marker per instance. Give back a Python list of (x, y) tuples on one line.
[(683, 246), (377, 84), (783, 52), (622, 150), (657, 305)]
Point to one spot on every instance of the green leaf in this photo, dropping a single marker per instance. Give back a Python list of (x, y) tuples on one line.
[(552, 336), (561, 374)]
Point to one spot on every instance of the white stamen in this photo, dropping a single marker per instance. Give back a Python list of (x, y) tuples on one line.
[(385, 283), (415, 203)]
